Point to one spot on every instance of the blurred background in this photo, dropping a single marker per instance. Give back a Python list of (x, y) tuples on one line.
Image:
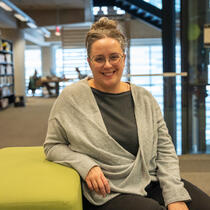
[(167, 53)]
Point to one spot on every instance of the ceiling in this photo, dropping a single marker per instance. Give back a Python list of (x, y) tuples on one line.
[(48, 4), (49, 13)]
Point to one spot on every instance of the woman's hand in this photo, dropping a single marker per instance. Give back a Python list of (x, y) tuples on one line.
[(97, 181), (177, 206)]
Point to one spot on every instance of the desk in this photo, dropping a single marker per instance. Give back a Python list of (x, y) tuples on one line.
[(45, 82)]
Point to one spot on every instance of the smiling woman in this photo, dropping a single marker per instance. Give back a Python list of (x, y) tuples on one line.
[(106, 46), (107, 63), (113, 133)]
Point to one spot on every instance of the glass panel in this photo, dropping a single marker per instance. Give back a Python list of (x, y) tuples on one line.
[(96, 10), (178, 81), (157, 3), (197, 61), (178, 100), (148, 60), (119, 11), (59, 62), (73, 58), (107, 11), (208, 113), (177, 5), (67, 60)]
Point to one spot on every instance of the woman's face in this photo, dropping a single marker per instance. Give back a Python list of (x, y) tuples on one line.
[(107, 62)]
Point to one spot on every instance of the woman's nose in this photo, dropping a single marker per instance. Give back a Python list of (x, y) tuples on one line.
[(107, 63)]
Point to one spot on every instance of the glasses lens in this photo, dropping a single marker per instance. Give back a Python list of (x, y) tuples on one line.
[(101, 60), (114, 58)]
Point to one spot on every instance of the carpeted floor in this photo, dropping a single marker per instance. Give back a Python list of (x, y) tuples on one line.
[(27, 126)]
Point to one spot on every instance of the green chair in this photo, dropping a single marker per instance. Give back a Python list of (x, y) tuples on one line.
[(29, 182)]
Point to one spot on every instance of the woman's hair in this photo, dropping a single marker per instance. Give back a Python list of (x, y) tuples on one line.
[(103, 28)]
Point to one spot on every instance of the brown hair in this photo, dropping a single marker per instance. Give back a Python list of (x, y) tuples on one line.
[(103, 28)]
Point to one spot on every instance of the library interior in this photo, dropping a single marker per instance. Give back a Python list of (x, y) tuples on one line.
[(43, 52)]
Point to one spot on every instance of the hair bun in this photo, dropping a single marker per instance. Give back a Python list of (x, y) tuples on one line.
[(104, 23), (105, 28)]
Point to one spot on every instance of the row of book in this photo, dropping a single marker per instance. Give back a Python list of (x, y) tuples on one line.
[(5, 58), (6, 80), (6, 91), (6, 70)]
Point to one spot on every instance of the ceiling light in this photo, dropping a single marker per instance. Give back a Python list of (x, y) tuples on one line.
[(57, 31), (31, 25), (19, 14), (5, 7), (20, 17)]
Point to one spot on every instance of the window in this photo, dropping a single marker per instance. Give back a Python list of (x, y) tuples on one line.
[(157, 3), (146, 59), (32, 62), (73, 58), (106, 11), (66, 62), (208, 112), (59, 62)]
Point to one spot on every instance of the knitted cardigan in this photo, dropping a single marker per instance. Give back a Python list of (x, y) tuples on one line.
[(77, 138)]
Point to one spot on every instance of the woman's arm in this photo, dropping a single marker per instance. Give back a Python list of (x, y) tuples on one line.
[(57, 150), (168, 172), (56, 147)]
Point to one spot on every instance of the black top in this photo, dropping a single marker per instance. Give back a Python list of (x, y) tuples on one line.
[(117, 111)]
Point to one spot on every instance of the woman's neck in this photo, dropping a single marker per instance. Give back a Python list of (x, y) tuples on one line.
[(123, 87)]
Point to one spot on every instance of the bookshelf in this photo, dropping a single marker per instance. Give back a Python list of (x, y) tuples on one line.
[(6, 74)]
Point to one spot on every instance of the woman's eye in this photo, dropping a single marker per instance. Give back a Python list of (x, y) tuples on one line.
[(114, 57), (99, 59)]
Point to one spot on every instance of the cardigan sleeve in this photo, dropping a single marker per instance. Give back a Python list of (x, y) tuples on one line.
[(57, 149), (168, 172)]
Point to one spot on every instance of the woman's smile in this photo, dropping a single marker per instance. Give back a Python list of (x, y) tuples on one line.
[(107, 62), (108, 74)]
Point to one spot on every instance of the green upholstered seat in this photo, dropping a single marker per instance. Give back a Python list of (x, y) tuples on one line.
[(29, 182)]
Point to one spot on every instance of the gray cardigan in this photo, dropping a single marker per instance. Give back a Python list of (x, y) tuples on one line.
[(77, 137)]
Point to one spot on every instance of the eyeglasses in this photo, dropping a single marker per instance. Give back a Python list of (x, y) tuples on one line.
[(113, 59)]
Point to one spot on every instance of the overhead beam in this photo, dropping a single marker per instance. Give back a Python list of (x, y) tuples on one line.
[(7, 20)]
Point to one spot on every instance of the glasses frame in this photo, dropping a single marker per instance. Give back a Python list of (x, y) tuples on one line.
[(102, 64)]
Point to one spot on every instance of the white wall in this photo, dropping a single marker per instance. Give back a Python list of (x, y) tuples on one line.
[(46, 61)]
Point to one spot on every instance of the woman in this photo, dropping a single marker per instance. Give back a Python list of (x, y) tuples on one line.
[(114, 135)]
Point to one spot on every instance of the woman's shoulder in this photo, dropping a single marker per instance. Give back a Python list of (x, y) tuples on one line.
[(143, 96), (141, 91), (75, 88), (72, 95)]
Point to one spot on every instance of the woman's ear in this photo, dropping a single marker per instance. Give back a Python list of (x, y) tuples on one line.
[(124, 56), (88, 60)]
